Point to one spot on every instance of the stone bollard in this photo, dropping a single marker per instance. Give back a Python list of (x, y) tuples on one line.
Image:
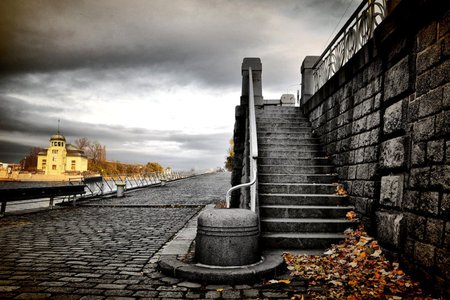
[(120, 189), (227, 237)]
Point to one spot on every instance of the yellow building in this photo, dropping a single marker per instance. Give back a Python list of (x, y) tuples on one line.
[(61, 158)]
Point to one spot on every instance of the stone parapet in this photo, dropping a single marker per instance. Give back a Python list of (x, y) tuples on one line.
[(384, 120)]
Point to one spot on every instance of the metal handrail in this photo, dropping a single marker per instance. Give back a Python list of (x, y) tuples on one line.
[(253, 149), (352, 36)]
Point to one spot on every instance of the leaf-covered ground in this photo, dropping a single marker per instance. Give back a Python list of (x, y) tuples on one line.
[(354, 269)]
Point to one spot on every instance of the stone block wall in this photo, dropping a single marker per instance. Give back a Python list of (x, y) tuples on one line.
[(384, 118)]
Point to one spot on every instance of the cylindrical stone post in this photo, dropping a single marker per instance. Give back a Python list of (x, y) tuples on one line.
[(120, 189), (227, 237)]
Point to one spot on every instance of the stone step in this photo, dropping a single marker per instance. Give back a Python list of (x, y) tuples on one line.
[(288, 147), (296, 188), (281, 119), (290, 154), (295, 169), (304, 211), (280, 115), (305, 225), (275, 139), (302, 199), (297, 178), (300, 240), (285, 136), (280, 123), (314, 161), (291, 129), (281, 109)]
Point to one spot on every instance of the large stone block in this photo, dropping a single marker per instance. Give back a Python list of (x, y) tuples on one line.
[(434, 232), (424, 129), (393, 153), (445, 206), (390, 228), (430, 102), (396, 80), (428, 57), (373, 120), (443, 262), (443, 124), (419, 178), (424, 254), (440, 177), (435, 151), (391, 193), (429, 203), (440, 74), (393, 118), (410, 200), (415, 226), (426, 36), (418, 153)]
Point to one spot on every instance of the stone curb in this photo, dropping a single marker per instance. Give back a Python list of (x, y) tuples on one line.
[(171, 266)]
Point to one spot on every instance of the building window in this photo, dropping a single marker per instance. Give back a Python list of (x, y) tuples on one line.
[(54, 158), (73, 165), (44, 163), (53, 167), (55, 151)]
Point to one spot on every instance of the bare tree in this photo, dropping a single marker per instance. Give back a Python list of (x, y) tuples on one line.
[(82, 143)]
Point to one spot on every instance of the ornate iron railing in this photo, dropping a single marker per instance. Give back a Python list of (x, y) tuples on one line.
[(353, 36), (253, 149)]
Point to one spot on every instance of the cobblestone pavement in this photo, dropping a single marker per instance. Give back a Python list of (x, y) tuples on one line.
[(110, 252), (200, 190)]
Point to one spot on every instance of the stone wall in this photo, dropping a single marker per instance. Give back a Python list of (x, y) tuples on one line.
[(384, 118)]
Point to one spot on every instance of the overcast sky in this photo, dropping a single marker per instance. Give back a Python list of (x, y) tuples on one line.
[(152, 80)]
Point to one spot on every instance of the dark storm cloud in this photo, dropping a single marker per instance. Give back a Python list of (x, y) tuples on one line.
[(204, 40)]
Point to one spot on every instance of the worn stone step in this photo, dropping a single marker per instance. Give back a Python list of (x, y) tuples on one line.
[(275, 139), (280, 109), (294, 147), (267, 128), (296, 178), (290, 154), (281, 119), (295, 169), (302, 199), (285, 136), (300, 240), (296, 188), (280, 123), (314, 161), (305, 225), (304, 211), (281, 115)]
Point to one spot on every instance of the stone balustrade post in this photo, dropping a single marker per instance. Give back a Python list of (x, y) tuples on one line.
[(307, 78), (255, 64)]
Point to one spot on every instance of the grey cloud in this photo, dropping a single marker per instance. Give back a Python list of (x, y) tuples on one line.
[(200, 40)]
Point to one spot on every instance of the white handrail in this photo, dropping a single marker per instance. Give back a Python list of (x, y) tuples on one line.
[(253, 149)]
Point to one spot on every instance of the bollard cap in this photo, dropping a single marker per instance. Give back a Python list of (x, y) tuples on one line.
[(232, 217)]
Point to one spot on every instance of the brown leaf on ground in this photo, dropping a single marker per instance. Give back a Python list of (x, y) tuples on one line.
[(354, 269)]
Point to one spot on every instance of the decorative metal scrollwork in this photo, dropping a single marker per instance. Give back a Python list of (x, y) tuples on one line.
[(350, 39)]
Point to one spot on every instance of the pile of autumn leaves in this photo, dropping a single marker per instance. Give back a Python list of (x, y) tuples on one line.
[(353, 269)]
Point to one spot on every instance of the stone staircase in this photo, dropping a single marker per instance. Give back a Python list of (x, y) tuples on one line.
[(299, 207)]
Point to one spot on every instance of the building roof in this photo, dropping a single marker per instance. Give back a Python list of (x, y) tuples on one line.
[(57, 137)]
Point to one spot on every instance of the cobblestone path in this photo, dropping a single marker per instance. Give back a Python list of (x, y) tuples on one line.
[(111, 252)]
